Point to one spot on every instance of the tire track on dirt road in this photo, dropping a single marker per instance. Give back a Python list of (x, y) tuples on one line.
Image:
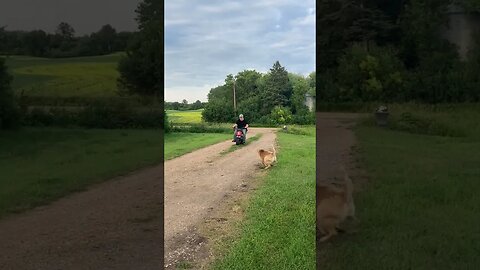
[(196, 183)]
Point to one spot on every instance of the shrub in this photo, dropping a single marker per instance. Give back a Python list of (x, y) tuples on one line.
[(281, 115)]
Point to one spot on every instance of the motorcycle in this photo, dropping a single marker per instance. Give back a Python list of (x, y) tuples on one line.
[(239, 136)]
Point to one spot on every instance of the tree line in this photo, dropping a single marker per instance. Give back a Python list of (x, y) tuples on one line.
[(393, 51), (184, 105), (141, 73), (277, 97), (64, 42)]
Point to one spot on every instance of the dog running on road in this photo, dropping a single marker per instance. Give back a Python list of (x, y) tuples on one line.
[(268, 157)]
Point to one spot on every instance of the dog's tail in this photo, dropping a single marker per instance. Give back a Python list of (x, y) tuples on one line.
[(274, 151)]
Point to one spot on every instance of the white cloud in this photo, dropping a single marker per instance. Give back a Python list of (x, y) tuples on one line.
[(205, 41)]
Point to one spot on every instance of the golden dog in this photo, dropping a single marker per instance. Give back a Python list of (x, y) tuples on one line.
[(334, 205), (268, 157)]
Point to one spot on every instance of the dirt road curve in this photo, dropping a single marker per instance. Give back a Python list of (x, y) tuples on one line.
[(195, 184)]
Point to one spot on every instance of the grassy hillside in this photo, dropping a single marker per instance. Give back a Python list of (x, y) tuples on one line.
[(68, 77)]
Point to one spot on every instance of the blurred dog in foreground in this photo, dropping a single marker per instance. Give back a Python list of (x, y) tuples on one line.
[(334, 205)]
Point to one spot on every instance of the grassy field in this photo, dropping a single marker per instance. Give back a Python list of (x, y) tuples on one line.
[(177, 144), (67, 77), (420, 208), (193, 116), (40, 165), (278, 231)]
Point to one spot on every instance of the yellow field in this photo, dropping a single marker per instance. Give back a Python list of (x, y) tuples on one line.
[(194, 116)]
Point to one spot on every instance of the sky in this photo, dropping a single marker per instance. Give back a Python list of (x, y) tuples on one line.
[(86, 16), (209, 39)]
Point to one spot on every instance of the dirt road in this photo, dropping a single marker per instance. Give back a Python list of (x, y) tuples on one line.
[(195, 184), (118, 224)]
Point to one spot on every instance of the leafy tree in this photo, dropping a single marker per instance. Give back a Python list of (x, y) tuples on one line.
[(278, 89), (258, 94), (300, 88), (175, 106), (36, 43), (104, 40), (65, 31), (141, 71), (197, 105)]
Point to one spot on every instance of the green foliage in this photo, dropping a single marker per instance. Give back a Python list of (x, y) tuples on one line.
[(364, 75), (9, 113), (304, 117), (63, 43), (258, 94), (218, 110), (278, 89), (141, 71), (281, 115), (108, 116), (405, 59)]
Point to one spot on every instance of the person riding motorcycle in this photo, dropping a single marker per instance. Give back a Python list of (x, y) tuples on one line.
[(240, 124)]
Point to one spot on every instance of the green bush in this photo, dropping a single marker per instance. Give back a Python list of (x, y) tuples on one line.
[(369, 75), (281, 115), (304, 117)]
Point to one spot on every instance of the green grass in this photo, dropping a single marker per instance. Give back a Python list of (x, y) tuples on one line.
[(420, 208), (192, 116), (39, 165), (66, 77), (278, 231), (236, 147), (177, 144)]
